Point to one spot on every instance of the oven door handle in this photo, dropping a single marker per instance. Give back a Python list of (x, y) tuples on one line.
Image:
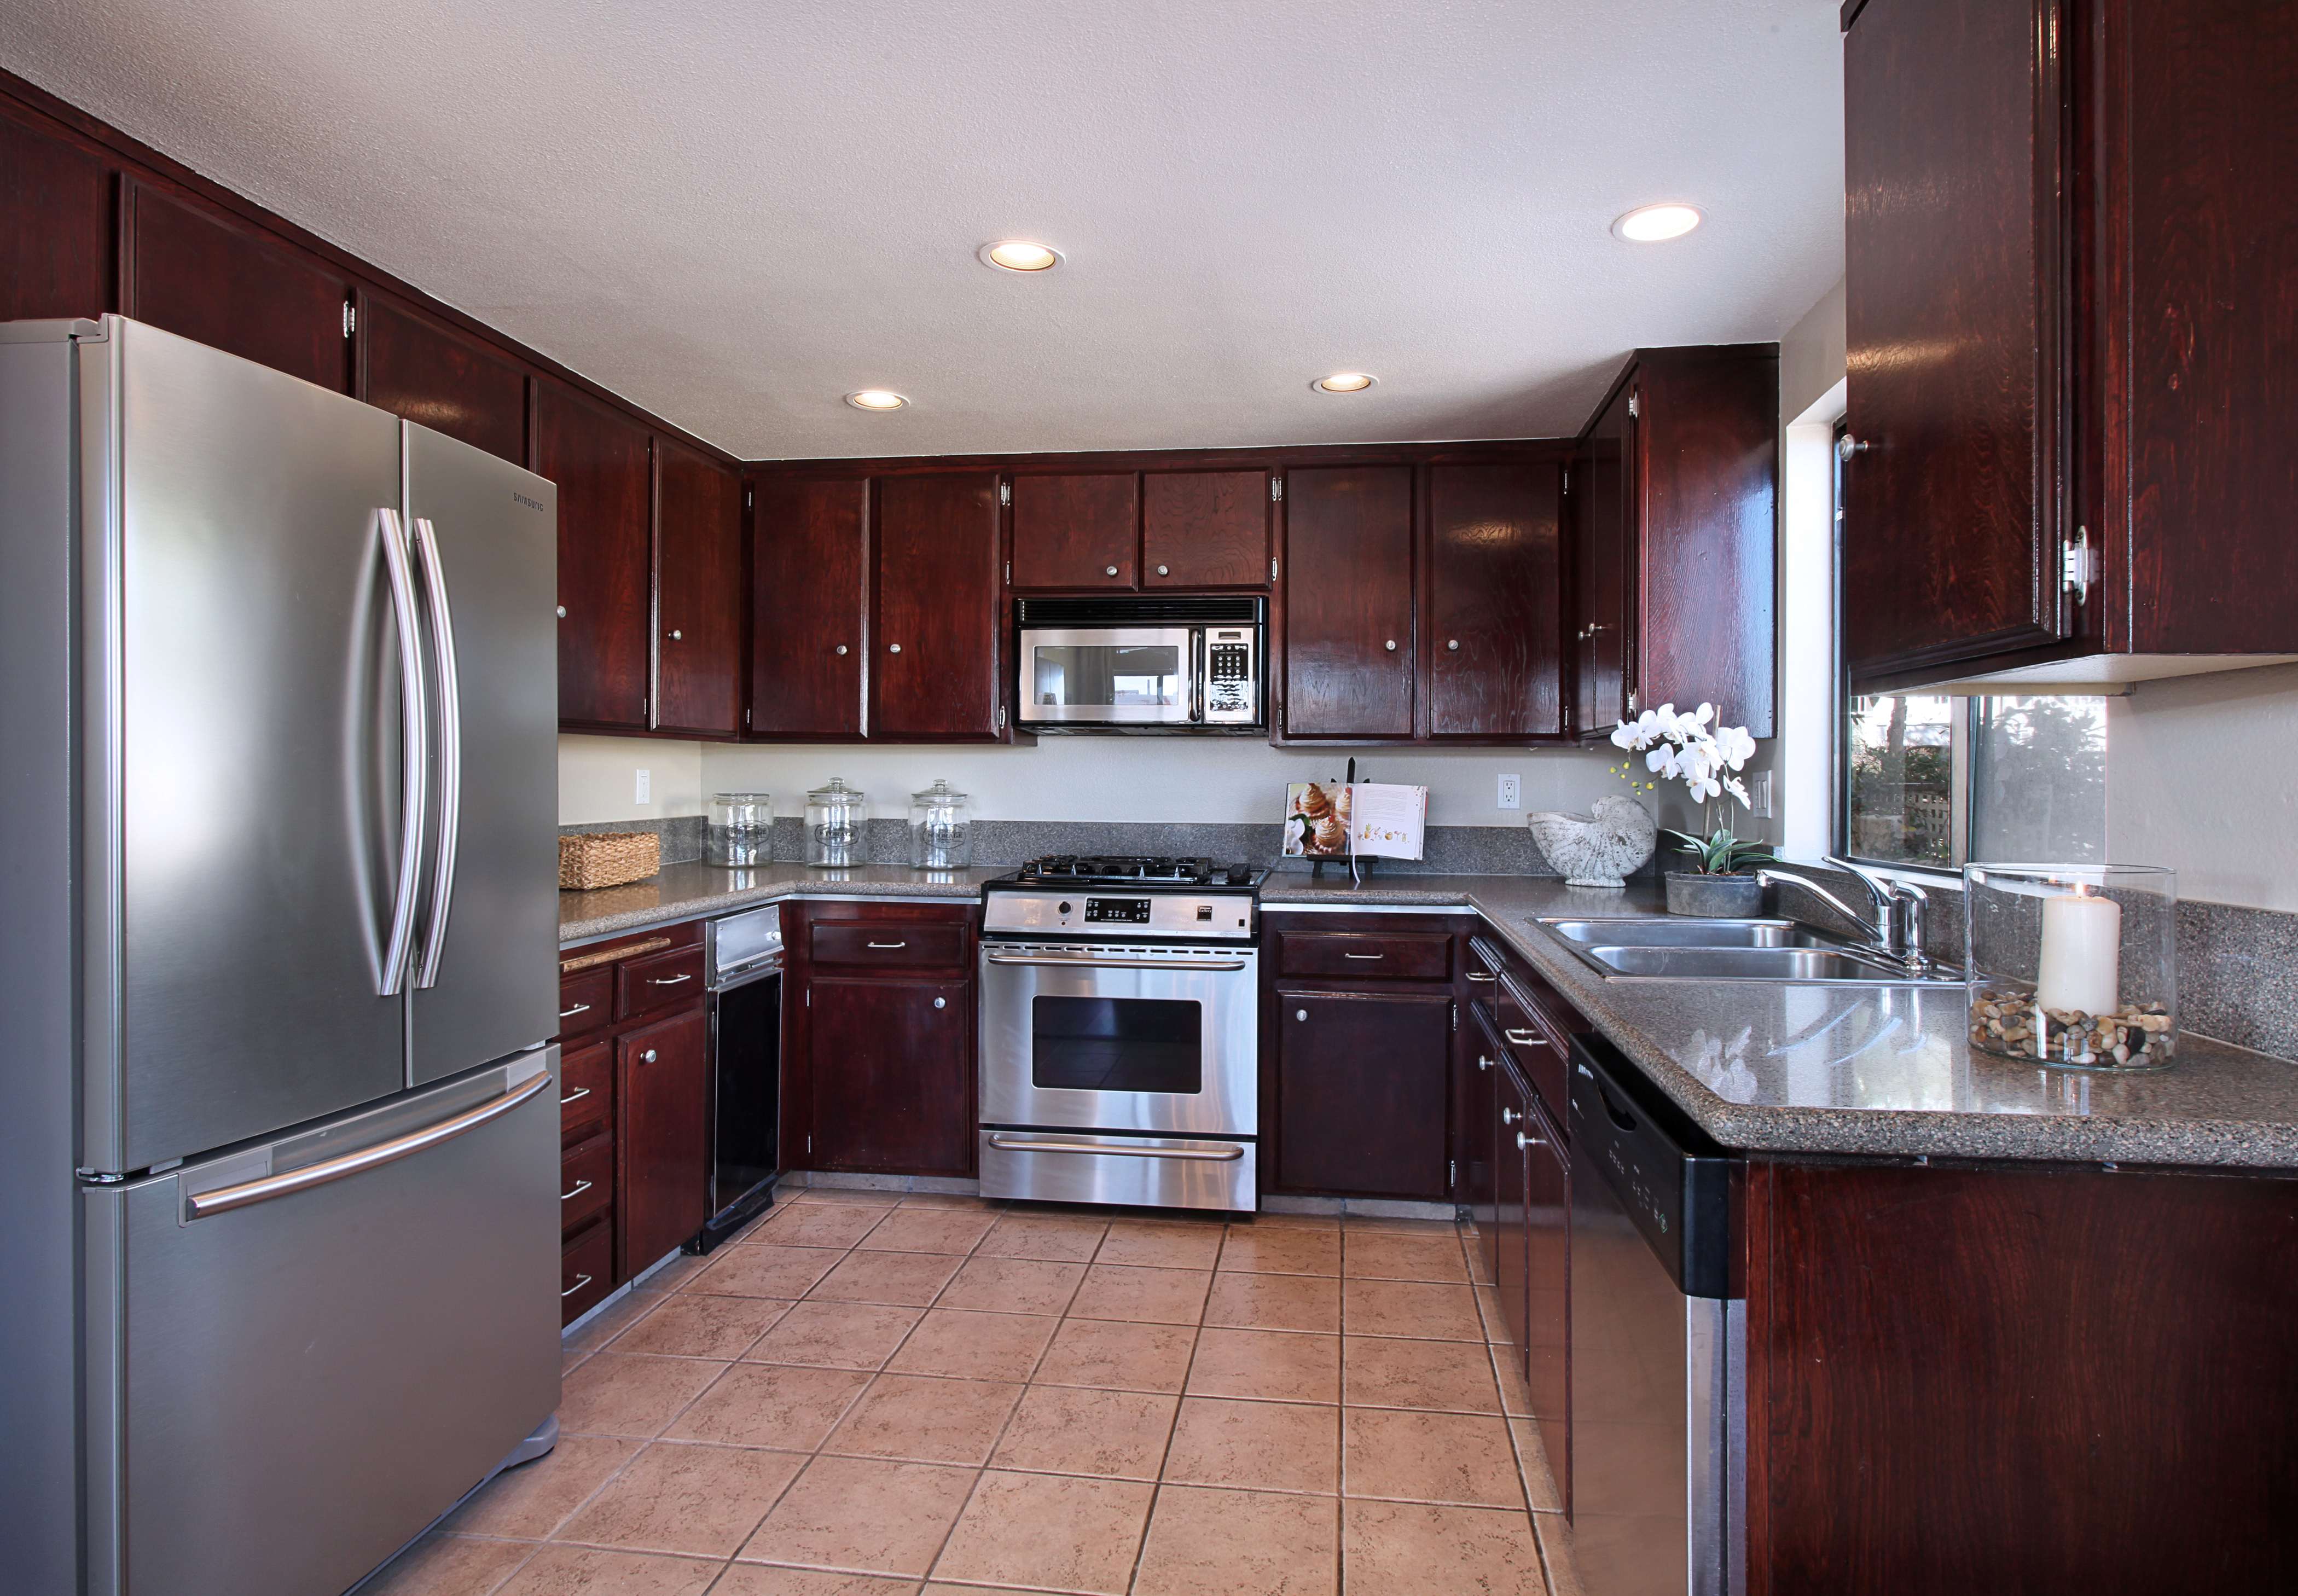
[(1225, 1155), (1037, 963)]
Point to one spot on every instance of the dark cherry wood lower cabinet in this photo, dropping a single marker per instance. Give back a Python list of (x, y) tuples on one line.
[(663, 1172), (1546, 1346), (1361, 1094), (1513, 1099)]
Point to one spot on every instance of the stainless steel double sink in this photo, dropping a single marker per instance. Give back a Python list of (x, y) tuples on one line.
[(1768, 950)]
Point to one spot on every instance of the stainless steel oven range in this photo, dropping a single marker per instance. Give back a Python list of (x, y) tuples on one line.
[(1119, 1033)]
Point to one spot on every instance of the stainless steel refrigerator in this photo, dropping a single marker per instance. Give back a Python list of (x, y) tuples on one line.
[(279, 1131)]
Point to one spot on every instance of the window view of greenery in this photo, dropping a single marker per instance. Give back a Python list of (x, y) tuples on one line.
[(1900, 753), (2039, 780)]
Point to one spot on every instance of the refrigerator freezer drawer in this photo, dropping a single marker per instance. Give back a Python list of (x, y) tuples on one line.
[(286, 1388)]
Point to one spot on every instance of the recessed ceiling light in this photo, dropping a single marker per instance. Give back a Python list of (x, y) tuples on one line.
[(1345, 382), (876, 399), (1019, 255), (1652, 223)]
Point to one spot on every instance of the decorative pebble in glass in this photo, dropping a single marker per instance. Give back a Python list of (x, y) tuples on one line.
[(2074, 966)]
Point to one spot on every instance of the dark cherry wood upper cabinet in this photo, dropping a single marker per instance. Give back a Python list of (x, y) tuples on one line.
[(1952, 237), (809, 552), (55, 225), (1697, 453), (601, 460), (192, 268), (891, 1063), (1598, 508), (1348, 634), (934, 652), (663, 1094), (1075, 531), (416, 366), (698, 594), (1495, 602), (2071, 335), (1362, 1093), (1204, 529)]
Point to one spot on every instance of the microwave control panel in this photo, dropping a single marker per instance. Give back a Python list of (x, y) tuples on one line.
[(1230, 690)]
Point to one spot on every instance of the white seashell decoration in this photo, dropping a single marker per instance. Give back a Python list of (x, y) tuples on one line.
[(1602, 849)]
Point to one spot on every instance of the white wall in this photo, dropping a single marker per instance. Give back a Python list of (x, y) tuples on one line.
[(1163, 779), (597, 779), (2201, 774)]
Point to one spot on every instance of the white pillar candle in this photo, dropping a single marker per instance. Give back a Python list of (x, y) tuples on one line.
[(2082, 954)]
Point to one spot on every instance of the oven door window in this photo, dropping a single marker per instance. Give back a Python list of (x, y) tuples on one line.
[(1117, 1045), (1108, 676)]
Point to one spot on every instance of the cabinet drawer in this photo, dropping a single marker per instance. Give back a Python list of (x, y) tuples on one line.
[(892, 944), (1365, 956), (586, 1267), (663, 981), (586, 1091), (586, 1182), (584, 1001)]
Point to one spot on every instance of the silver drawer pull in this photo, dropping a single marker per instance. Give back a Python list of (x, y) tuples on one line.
[(1524, 1038), (1228, 1154), (1481, 975), (888, 947), (580, 1188), (579, 1008), (577, 1095), (580, 1282), (1364, 956), (674, 981)]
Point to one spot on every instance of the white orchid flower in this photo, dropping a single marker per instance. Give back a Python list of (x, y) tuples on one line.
[(1737, 789), (1703, 787), (1734, 746)]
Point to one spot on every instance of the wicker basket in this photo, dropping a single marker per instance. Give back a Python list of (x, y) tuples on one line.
[(588, 860)]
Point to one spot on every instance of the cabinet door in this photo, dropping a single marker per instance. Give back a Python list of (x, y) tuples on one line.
[(1361, 1093), (892, 1064), (1204, 529), (1547, 1282), (1953, 255), (662, 1161), (808, 544), (1603, 501), (698, 604), (1513, 1130), (56, 226), (1478, 1140), (1495, 610), (205, 273), (934, 664), (598, 458), (424, 370), (1076, 531), (1348, 602)]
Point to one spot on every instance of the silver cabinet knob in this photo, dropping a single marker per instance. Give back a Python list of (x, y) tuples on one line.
[(1109, 570), (841, 647), (1483, 1062), (893, 647), (562, 612), (1300, 1013), (941, 1003), (677, 636), (1522, 1141), (1509, 1116), (1454, 645), (1390, 645), (1164, 570), (647, 1057), (1847, 446)]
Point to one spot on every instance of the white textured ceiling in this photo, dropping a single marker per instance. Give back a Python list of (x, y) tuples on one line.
[(735, 213)]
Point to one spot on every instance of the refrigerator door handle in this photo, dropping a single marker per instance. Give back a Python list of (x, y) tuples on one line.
[(450, 751), (415, 738), (224, 1199)]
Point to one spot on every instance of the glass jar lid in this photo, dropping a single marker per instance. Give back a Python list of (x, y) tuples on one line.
[(741, 798), (837, 794), (937, 796)]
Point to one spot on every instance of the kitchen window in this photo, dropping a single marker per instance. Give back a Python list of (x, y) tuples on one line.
[(1931, 781)]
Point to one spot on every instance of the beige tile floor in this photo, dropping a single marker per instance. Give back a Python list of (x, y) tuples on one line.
[(870, 1394)]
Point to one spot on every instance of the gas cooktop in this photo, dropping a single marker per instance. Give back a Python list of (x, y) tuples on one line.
[(1130, 870)]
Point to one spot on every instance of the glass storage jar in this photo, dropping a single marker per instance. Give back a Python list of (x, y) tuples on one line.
[(941, 828), (2074, 965), (741, 830), (837, 826)]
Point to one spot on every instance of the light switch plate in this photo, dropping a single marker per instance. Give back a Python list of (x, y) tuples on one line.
[(645, 788), (1759, 795), (1511, 791)]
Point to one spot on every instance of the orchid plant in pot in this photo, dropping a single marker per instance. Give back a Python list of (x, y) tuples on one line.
[(1706, 758)]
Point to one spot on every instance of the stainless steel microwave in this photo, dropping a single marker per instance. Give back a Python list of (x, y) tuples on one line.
[(1148, 664)]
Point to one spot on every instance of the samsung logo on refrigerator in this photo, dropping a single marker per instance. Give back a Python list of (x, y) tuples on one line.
[(519, 498)]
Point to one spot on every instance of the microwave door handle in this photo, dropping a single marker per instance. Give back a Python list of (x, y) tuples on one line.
[(1196, 673)]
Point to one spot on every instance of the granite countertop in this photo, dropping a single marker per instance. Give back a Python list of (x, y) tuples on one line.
[(1765, 1066), (1760, 1066)]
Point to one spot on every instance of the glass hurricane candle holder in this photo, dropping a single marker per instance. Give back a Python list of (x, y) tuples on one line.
[(2074, 966)]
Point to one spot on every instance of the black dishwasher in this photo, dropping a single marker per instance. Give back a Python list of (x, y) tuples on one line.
[(1658, 1342), (745, 962)]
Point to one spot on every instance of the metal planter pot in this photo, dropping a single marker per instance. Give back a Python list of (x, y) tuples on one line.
[(1714, 896)]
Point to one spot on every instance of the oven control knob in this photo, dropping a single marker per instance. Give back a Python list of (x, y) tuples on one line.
[(1066, 908)]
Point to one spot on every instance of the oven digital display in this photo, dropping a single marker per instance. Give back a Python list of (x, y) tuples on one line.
[(1117, 911)]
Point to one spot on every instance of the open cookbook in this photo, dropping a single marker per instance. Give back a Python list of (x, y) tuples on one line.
[(1368, 819)]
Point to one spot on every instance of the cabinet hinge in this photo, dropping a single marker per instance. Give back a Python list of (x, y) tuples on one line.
[(1276, 490), (1567, 479), (809, 1146), (1005, 492), (1000, 718), (749, 499), (1632, 700), (1456, 1017), (1452, 1174), (2079, 564), (1272, 570), (1634, 408), (350, 318), (746, 719), (809, 1003), (1009, 573)]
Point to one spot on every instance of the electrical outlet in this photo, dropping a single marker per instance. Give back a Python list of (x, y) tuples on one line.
[(1759, 795), (645, 788), (1511, 791)]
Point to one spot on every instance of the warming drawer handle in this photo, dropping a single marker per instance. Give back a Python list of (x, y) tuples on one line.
[(1364, 956), (224, 1199), (1228, 1154), (887, 946), (1524, 1038), (580, 1282), (674, 981), (1061, 964), (580, 1188)]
